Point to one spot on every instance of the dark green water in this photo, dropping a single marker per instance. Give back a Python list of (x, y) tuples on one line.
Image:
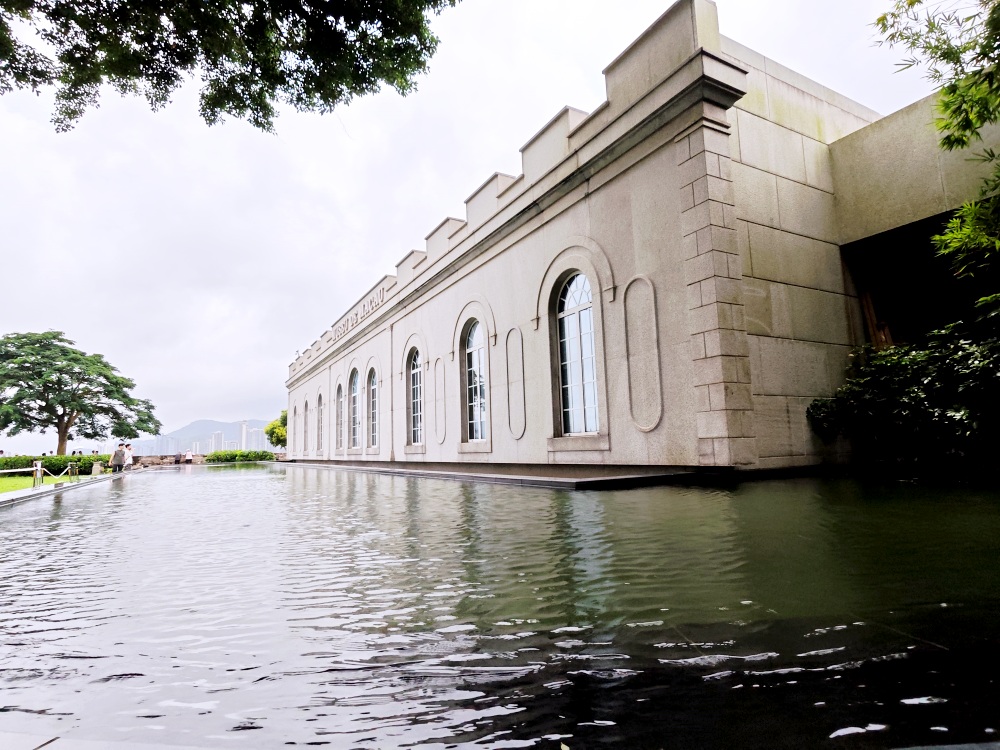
[(276, 607)]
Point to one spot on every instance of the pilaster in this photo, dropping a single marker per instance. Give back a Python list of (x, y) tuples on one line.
[(714, 276)]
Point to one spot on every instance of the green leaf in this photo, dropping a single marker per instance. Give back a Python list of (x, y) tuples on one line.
[(46, 384)]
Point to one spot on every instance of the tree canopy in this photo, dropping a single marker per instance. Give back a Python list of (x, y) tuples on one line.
[(45, 384), (250, 55), (959, 46), (277, 431), (932, 407)]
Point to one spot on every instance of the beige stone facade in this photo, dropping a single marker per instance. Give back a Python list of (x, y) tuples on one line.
[(701, 203)]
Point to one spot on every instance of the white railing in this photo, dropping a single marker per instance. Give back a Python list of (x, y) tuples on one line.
[(38, 473)]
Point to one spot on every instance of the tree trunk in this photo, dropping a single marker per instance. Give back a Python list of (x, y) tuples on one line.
[(63, 426)]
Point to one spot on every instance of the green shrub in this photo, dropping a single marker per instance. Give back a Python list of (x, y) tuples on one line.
[(920, 409), (55, 465), (16, 462), (229, 457)]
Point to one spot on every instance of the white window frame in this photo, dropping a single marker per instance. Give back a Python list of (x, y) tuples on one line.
[(305, 428), (415, 394), (475, 386), (340, 417), (319, 424), (354, 411), (372, 409), (575, 331)]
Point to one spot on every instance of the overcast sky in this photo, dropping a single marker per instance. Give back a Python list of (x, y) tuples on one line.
[(198, 260)]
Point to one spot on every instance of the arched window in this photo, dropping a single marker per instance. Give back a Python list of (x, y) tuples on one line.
[(475, 382), (355, 410), (415, 400), (340, 417), (577, 362), (295, 429), (305, 428), (372, 409), (319, 423)]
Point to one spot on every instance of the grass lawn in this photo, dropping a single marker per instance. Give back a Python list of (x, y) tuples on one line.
[(11, 482)]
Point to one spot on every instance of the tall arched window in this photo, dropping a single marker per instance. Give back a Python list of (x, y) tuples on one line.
[(305, 428), (295, 429), (340, 417), (415, 401), (319, 423), (475, 382), (355, 410), (577, 362), (372, 409)]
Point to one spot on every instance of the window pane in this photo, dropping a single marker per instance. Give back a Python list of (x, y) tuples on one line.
[(578, 370), (416, 401), (372, 410), (475, 385)]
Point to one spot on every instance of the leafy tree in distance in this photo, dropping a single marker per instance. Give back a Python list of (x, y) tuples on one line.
[(277, 431), (47, 384), (250, 55)]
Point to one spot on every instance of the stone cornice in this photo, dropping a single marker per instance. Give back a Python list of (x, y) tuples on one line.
[(703, 87)]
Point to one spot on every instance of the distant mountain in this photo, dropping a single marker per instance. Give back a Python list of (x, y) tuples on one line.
[(198, 436), (205, 427)]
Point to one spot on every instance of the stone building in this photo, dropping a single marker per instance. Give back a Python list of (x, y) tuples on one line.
[(664, 285)]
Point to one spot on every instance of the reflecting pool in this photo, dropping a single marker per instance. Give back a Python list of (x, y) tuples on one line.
[(264, 607)]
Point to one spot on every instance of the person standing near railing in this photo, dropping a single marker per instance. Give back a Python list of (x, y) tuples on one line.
[(118, 459), (128, 456)]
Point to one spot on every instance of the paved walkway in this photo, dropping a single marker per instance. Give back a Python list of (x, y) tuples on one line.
[(19, 496), (611, 482)]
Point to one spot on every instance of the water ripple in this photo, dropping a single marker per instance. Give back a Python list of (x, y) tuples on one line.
[(269, 606)]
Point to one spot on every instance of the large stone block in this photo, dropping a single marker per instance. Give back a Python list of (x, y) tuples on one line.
[(743, 451), (806, 113), (783, 367), (483, 203), (711, 141), (717, 370), (765, 314), (804, 440), (786, 311), (774, 434), (712, 188), (730, 396), (756, 194), (714, 237), (819, 166), (662, 49), (771, 147), (721, 289), (754, 100), (732, 117), (743, 245), (725, 342), (794, 259), (705, 266), (702, 215), (816, 315), (550, 145), (714, 424), (898, 159), (806, 210)]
